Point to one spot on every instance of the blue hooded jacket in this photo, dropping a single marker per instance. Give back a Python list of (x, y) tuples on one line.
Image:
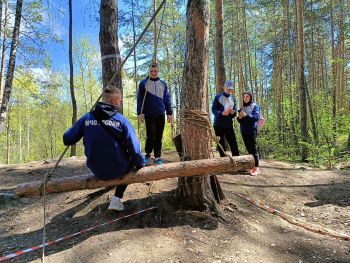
[(221, 102), (157, 98), (249, 124), (107, 158)]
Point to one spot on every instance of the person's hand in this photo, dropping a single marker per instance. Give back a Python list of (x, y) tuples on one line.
[(169, 119), (142, 117), (232, 111), (225, 113), (242, 114)]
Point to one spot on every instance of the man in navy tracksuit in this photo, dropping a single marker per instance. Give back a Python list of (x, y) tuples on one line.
[(248, 118), (110, 142), (224, 110), (153, 100)]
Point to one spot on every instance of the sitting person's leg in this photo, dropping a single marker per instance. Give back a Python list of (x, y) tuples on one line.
[(116, 203)]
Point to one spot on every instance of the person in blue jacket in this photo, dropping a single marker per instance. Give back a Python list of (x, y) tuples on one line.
[(248, 118), (224, 109), (153, 100), (110, 142)]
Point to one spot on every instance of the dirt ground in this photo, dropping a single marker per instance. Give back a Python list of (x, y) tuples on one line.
[(170, 234)]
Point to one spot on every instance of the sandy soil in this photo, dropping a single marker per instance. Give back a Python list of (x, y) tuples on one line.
[(170, 234)]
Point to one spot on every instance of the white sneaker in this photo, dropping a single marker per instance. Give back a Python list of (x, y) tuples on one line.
[(116, 204)]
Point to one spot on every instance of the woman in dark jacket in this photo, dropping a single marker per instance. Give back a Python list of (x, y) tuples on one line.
[(248, 118)]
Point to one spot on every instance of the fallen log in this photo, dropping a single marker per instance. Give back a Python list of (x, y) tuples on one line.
[(150, 173)]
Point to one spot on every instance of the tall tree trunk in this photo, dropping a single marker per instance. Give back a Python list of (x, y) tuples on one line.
[(1, 28), (82, 71), (195, 192), (240, 74), (11, 64), (247, 48), (73, 151), (233, 51), (110, 55), (341, 60), (280, 113), (334, 76), (28, 135), (20, 152), (3, 50), (155, 35), (8, 135), (301, 78), (312, 118), (167, 51), (135, 59), (255, 75), (220, 71), (313, 80)]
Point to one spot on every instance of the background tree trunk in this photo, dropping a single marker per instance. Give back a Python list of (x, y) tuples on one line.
[(110, 55), (8, 134), (155, 35), (195, 192), (334, 76), (135, 59), (11, 65), (3, 50), (301, 78), (220, 70), (73, 151)]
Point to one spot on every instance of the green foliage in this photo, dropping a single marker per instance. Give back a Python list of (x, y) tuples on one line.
[(40, 109)]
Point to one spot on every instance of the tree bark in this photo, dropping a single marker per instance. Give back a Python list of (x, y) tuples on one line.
[(247, 49), (312, 118), (11, 65), (1, 28), (8, 135), (301, 78), (150, 173), (155, 35), (20, 153), (341, 56), (135, 59), (195, 192), (280, 91), (313, 80), (240, 74), (3, 51), (73, 151), (334, 76), (220, 70), (28, 135), (110, 55)]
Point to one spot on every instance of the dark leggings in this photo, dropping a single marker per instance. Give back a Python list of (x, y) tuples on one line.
[(119, 190), (154, 134), (230, 136), (251, 146)]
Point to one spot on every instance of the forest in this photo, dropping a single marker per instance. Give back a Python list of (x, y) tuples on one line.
[(254, 43), (193, 202)]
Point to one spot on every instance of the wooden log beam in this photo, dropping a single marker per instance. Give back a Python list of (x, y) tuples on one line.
[(150, 173)]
